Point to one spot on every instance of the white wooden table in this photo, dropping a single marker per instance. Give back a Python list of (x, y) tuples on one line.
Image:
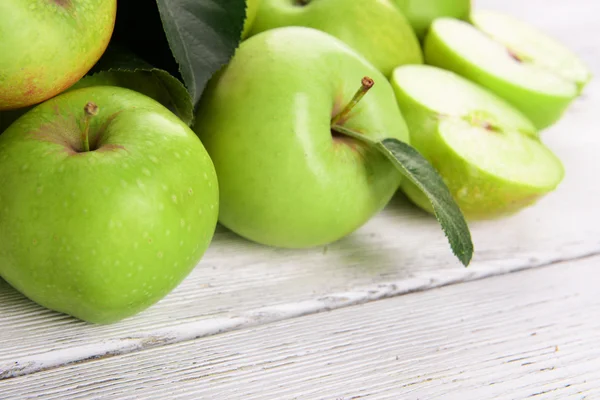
[(386, 313)]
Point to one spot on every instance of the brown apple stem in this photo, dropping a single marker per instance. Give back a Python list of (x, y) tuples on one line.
[(90, 110), (366, 84)]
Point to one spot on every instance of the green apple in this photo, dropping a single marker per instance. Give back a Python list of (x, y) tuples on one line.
[(421, 13), (285, 179), (251, 10), (375, 29), (488, 153), (102, 234), (539, 92), (47, 46), (532, 46)]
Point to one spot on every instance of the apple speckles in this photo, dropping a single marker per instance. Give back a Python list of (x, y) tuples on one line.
[(200, 211), (123, 183), (39, 190), (140, 184), (164, 187), (24, 167), (159, 255), (174, 198), (136, 245), (146, 172), (61, 168), (177, 155), (161, 207), (140, 267), (190, 191), (181, 243), (463, 192), (154, 159), (168, 233), (182, 222)]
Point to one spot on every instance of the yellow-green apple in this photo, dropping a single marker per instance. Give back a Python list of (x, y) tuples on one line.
[(488, 153), (375, 29), (266, 120), (421, 13), (107, 201), (48, 45), (251, 9)]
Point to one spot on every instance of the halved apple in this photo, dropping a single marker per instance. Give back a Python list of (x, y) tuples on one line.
[(488, 153), (497, 54)]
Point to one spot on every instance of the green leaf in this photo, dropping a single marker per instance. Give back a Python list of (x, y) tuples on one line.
[(189, 39), (118, 67), (420, 172), (416, 168), (203, 35)]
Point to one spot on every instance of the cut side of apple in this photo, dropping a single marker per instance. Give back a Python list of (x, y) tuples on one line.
[(532, 46), (540, 93), (488, 153)]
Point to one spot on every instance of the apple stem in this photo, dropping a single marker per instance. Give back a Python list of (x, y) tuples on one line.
[(366, 84), (90, 110)]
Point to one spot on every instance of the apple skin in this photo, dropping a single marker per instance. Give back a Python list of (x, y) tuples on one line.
[(251, 10), (421, 13), (284, 180), (49, 45), (374, 29), (103, 235)]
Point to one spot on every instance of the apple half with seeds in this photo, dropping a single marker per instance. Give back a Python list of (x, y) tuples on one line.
[(513, 60), (488, 153)]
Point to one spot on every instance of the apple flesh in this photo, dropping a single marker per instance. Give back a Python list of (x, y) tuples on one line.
[(487, 152), (532, 46), (375, 29), (541, 94), (46, 46), (421, 13), (285, 179), (103, 234)]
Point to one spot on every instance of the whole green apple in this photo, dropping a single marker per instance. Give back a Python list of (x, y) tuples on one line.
[(421, 13), (488, 153), (251, 10), (46, 46), (375, 29), (285, 179), (105, 233)]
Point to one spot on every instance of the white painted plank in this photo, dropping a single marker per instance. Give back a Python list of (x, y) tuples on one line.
[(528, 334), (239, 284)]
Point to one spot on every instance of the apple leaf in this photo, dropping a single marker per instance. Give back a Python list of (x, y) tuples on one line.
[(203, 35), (119, 67), (420, 172), (189, 39)]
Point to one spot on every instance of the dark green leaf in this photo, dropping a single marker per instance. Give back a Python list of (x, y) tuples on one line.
[(118, 67), (203, 35), (190, 39), (416, 168)]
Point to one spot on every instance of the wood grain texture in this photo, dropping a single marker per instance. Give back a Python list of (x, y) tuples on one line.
[(239, 284), (525, 335)]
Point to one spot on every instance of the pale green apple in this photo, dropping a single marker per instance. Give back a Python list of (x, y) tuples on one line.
[(539, 92), (46, 46), (103, 234), (421, 13), (532, 46), (375, 29), (488, 153), (251, 10), (285, 180)]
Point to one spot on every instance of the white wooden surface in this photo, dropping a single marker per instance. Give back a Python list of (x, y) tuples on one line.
[(239, 285), (528, 334)]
